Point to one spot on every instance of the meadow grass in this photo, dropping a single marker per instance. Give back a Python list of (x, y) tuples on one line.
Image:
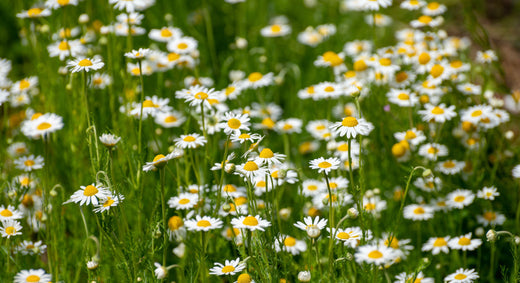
[(274, 141)]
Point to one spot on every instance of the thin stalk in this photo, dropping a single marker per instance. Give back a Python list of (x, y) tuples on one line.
[(165, 221), (331, 225)]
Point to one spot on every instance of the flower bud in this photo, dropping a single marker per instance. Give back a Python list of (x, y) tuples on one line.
[(491, 235), (304, 276), (313, 232), (427, 173), (352, 213)]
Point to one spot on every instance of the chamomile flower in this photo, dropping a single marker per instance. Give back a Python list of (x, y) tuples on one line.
[(267, 156), (516, 172), (464, 242), (413, 136), (35, 12), (24, 85), (451, 167), (432, 151), (131, 6), (183, 45), (190, 141), (204, 223), (439, 113), (309, 222), (230, 267), (289, 244), (109, 140), (32, 275), (350, 237), (378, 255), (488, 193), (351, 127), (10, 228), (491, 218), (29, 163), (374, 204), (418, 212), (413, 277), (256, 80), (325, 165), (100, 80), (275, 30), (434, 9), (105, 204), (9, 213), (65, 48), (375, 5), (165, 34), (437, 245), (469, 89), (310, 37), (89, 194), (138, 54), (250, 222), (462, 276), (412, 4), (176, 229), (311, 187), (160, 160), (17, 149), (160, 271), (169, 119), (427, 21), (243, 137), (43, 125), (4, 95), (31, 248), (183, 201), (403, 98), (251, 169), (233, 123), (85, 64), (460, 198), (487, 56)]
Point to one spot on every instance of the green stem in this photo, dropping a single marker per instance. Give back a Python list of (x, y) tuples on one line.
[(331, 225), (165, 221)]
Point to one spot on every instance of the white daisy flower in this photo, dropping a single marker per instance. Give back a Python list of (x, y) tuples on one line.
[(275, 30), (169, 119), (250, 222), (100, 80), (10, 228), (251, 169), (313, 187), (433, 150), (31, 248), (256, 80), (437, 245), (109, 140), (462, 276), (89, 194), (29, 163), (204, 223), (325, 165), (488, 193), (460, 198), (243, 137), (308, 222), (230, 267), (9, 213), (138, 54), (487, 56), (439, 114), (413, 277), (289, 244), (464, 242), (378, 255), (43, 125), (85, 64), (32, 275), (351, 127), (350, 237), (233, 123), (403, 98), (160, 271), (183, 201), (182, 45), (160, 160), (451, 167), (417, 212), (35, 12), (165, 34), (108, 202), (190, 141)]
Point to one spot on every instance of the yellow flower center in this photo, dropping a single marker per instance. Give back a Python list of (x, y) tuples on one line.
[(10, 230), (173, 56), (476, 113), (401, 77), (170, 119), (403, 96), (329, 89), (460, 276), (439, 242), (256, 76), (459, 198), (34, 12), (29, 163), (250, 221), (437, 110), (241, 201), (410, 135), (289, 242), (456, 64), (182, 45), (230, 188), (189, 139), (244, 136), (43, 126), (448, 164), (385, 62), (201, 95), (244, 278), (85, 63), (108, 202), (6, 213), (424, 58), (227, 269), (436, 70), (343, 147), (63, 46), (250, 166), (25, 181), (375, 254), (394, 244), (184, 201), (489, 216), (332, 58), (276, 28), (166, 32), (90, 191), (418, 210), (369, 206), (433, 6), (24, 84), (174, 223), (32, 278), (234, 123), (266, 153), (343, 235), (324, 164), (425, 19), (349, 122), (312, 187), (360, 65), (464, 241), (158, 157), (230, 90), (203, 223), (268, 123)]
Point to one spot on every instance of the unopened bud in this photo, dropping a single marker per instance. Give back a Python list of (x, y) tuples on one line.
[(313, 232), (83, 19), (491, 235), (304, 276), (352, 213), (427, 173), (517, 240), (226, 207), (230, 168), (285, 213)]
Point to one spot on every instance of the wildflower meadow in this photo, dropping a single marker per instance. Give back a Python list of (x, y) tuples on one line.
[(256, 141)]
